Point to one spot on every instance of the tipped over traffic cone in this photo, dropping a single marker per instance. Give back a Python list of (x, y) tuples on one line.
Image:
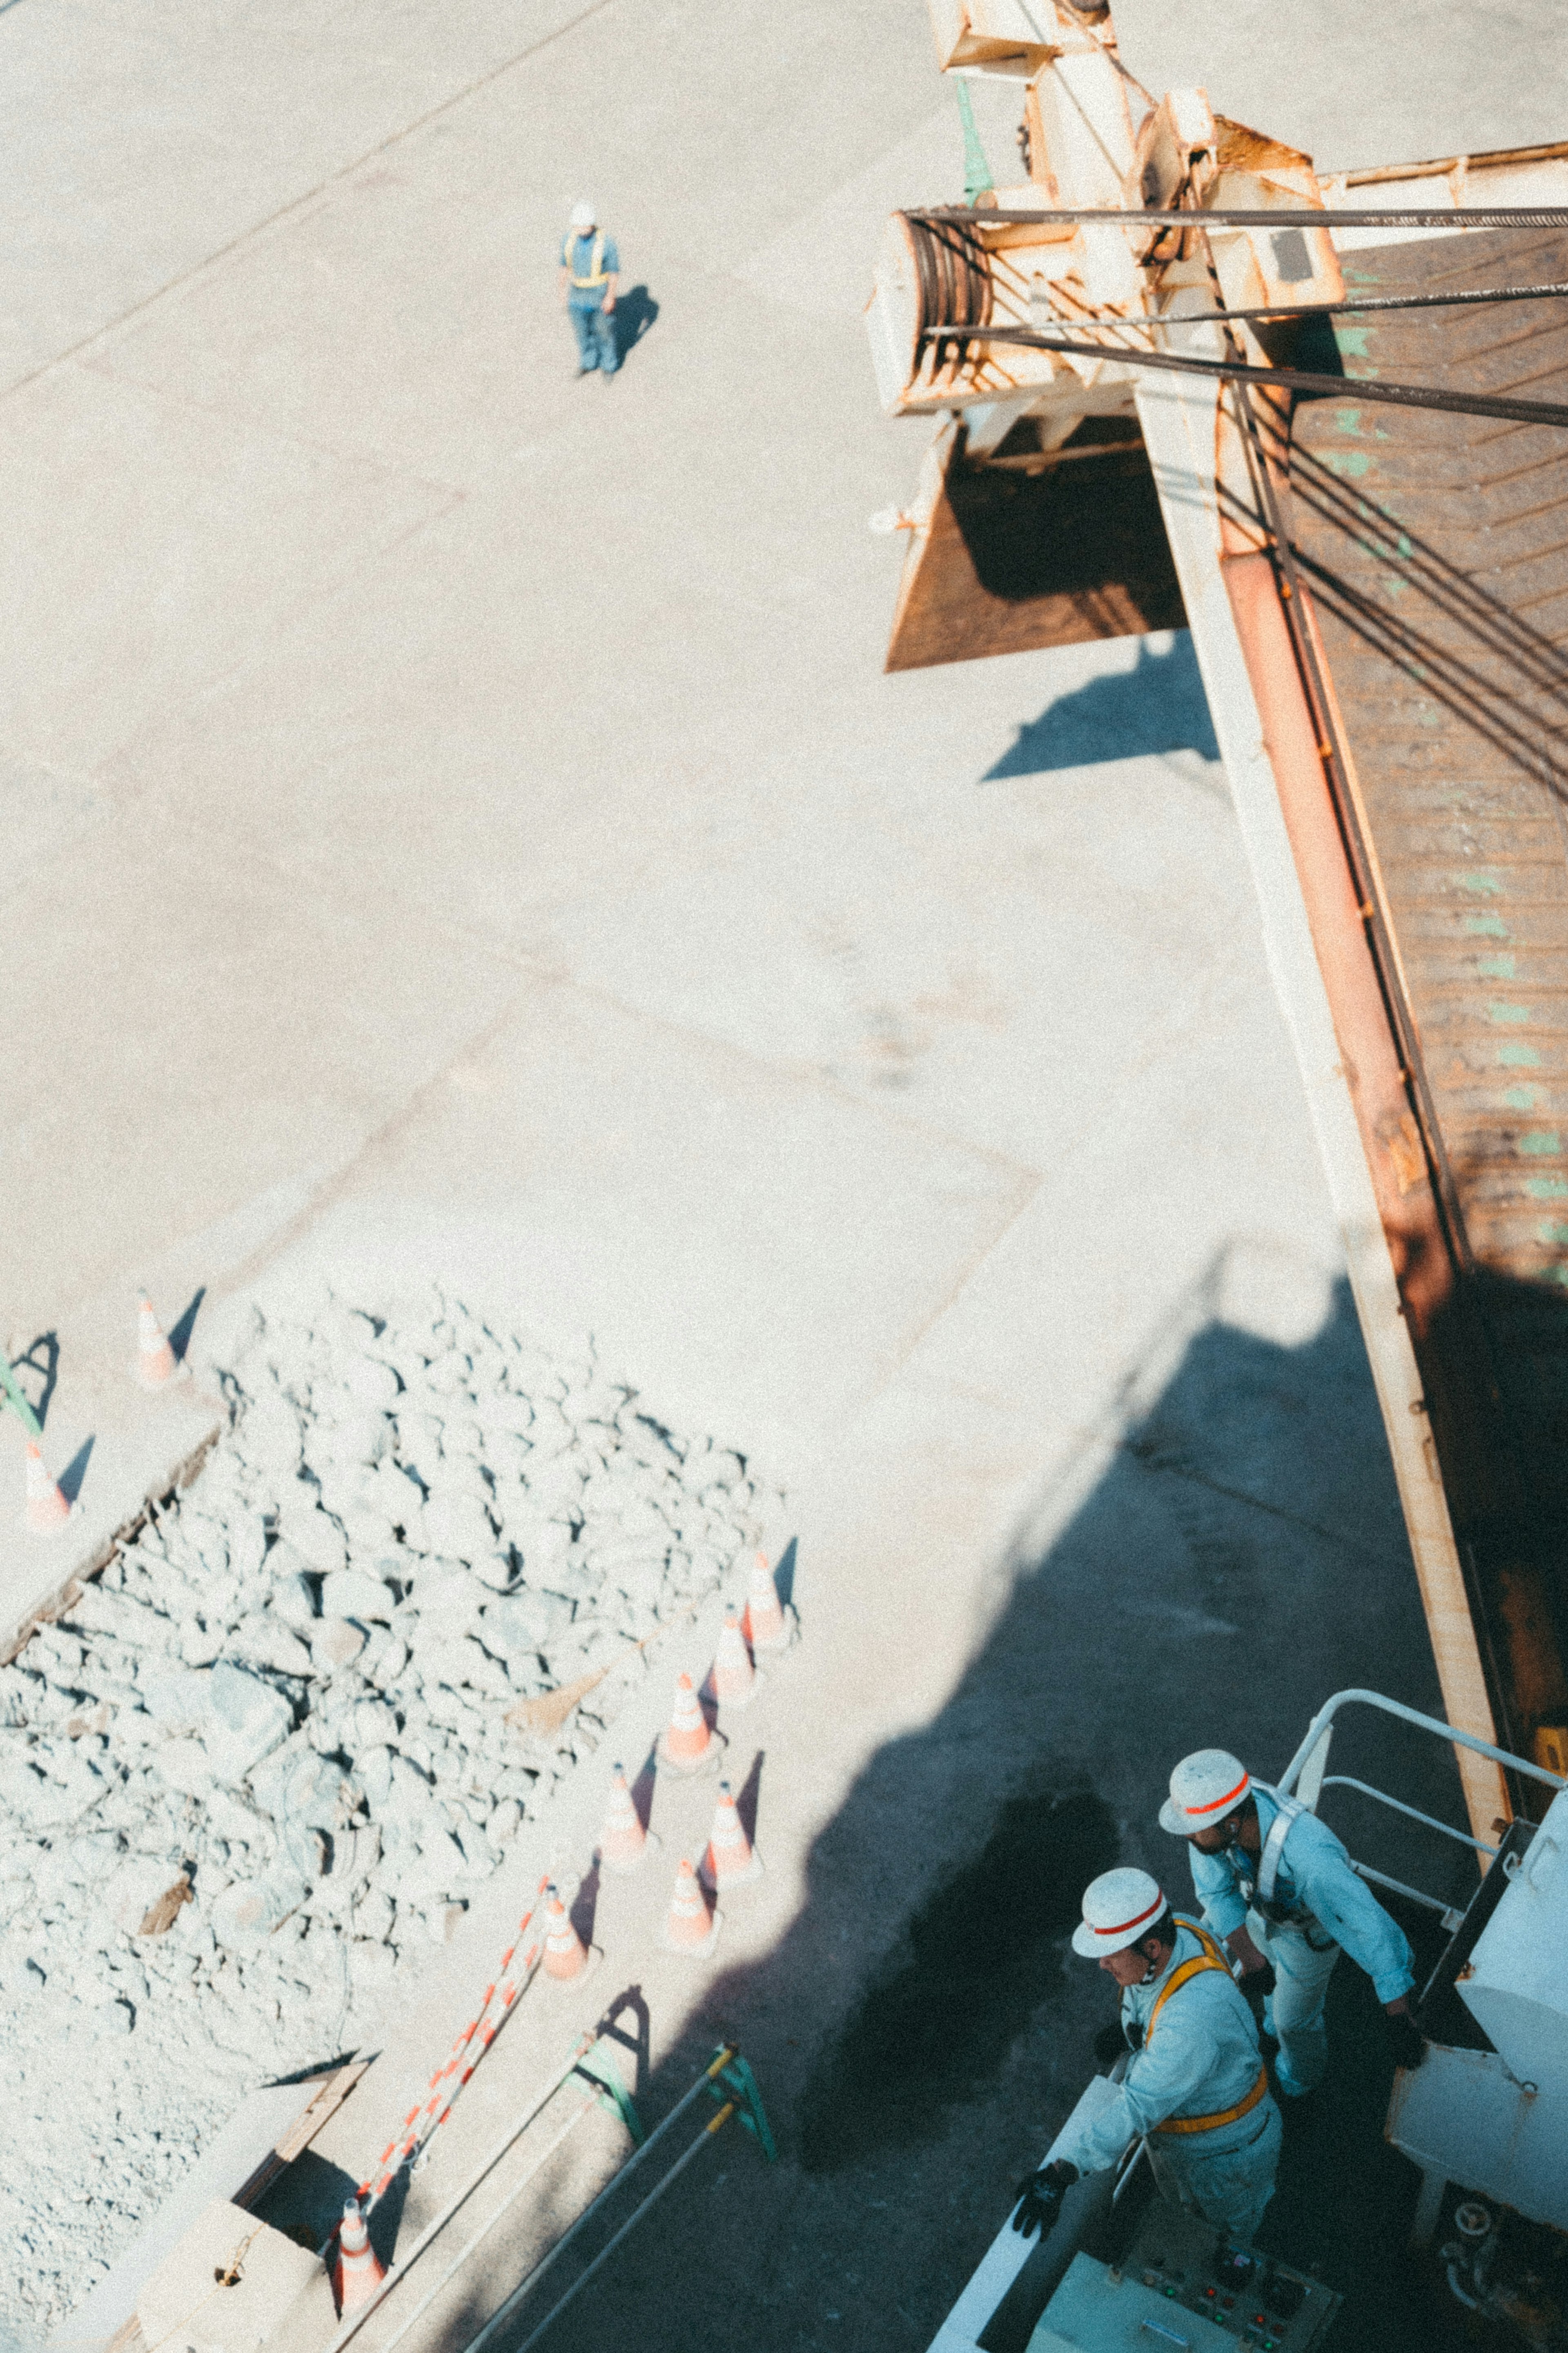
[(685, 1745), (691, 1927), (47, 1507), (733, 1681), (565, 1954), (765, 1625), (359, 2270), (623, 1842), (156, 1364), (731, 1859)]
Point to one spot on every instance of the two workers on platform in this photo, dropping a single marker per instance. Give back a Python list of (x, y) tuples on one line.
[(1281, 1900)]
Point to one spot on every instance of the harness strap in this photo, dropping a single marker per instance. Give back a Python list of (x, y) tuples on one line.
[(1223, 2116), (1211, 1957), (1291, 1811), (598, 274)]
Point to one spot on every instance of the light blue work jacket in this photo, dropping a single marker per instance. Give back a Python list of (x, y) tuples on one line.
[(1314, 1886), (1201, 2059)]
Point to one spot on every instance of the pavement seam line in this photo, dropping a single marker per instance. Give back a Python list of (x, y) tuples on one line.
[(297, 204)]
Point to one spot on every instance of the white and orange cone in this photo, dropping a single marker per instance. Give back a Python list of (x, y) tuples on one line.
[(359, 2270), (733, 1681), (731, 1859), (565, 1954), (623, 1842), (691, 1927), (686, 1745), (47, 1509), (156, 1364), (765, 1625)]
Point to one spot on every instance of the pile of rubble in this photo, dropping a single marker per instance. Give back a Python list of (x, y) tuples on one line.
[(270, 1754)]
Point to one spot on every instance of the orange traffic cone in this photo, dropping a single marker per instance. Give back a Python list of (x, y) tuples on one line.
[(47, 1507), (623, 1842), (690, 1929), (156, 1364), (733, 1681), (565, 1955), (731, 1859), (685, 1745), (359, 2270), (765, 1625)]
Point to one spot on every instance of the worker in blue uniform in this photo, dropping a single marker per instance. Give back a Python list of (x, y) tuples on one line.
[(1279, 1889), (1195, 2089), (589, 266)]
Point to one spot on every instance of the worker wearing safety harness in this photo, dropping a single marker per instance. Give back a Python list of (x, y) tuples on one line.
[(1196, 2087), (1280, 1890), (589, 264)]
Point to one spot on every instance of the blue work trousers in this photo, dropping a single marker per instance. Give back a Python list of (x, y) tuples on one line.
[(595, 336), (1294, 2010), (1229, 2174)]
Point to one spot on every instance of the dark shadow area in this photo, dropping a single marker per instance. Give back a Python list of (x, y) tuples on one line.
[(1159, 705), (180, 1334), (784, 1574), (41, 1359), (71, 1477), (586, 1904), (747, 1796), (639, 2042), (308, 2197), (922, 2029), (634, 314), (980, 1956), (643, 1787)]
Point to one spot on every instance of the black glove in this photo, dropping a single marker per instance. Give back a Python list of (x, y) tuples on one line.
[(1406, 2046), (1040, 2197), (1110, 2045), (1256, 1985)]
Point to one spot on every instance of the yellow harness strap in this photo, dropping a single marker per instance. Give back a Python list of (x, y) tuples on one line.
[(1211, 1957), (598, 274)]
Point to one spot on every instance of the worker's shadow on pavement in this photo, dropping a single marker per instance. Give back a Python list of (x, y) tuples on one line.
[(1157, 706), (634, 315), (922, 2029)]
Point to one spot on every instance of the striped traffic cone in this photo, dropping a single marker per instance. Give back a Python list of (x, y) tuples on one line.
[(731, 1859), (46, 1510), (359, 2270), (765, 1627), (733, 1681), (565, 1955), (156, 1364), (686, 1745), (691, 1927), (623, 1842)]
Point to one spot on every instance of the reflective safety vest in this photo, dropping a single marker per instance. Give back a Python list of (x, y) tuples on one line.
[(1211, 1957), (598, 274)]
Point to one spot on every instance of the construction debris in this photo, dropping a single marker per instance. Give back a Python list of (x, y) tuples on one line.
[(265, 1761)]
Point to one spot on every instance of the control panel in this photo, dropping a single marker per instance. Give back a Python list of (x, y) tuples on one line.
[(1180, 2284)]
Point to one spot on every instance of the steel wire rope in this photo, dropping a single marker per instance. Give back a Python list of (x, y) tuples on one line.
[(1333, 387)]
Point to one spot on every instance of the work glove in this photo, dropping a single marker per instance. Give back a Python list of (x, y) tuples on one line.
[(1406, 2046), (1256, 1985), (1040, 2197), (1114, 2042)]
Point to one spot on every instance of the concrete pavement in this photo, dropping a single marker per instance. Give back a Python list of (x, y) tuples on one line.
[(455, 820)]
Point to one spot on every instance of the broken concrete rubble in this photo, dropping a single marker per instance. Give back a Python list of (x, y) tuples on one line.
[(289, 1698)]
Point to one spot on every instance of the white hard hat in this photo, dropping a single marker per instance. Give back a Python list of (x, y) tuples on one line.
[(584, 215), (1119, 1907), (1205, 1788)]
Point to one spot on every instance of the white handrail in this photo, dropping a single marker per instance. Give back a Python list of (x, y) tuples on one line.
[(1433, 1723)]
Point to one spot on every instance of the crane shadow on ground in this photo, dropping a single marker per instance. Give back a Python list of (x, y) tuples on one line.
[(1157, 706)]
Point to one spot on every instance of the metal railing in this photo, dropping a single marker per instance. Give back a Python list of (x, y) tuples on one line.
[(1307, 1776)]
